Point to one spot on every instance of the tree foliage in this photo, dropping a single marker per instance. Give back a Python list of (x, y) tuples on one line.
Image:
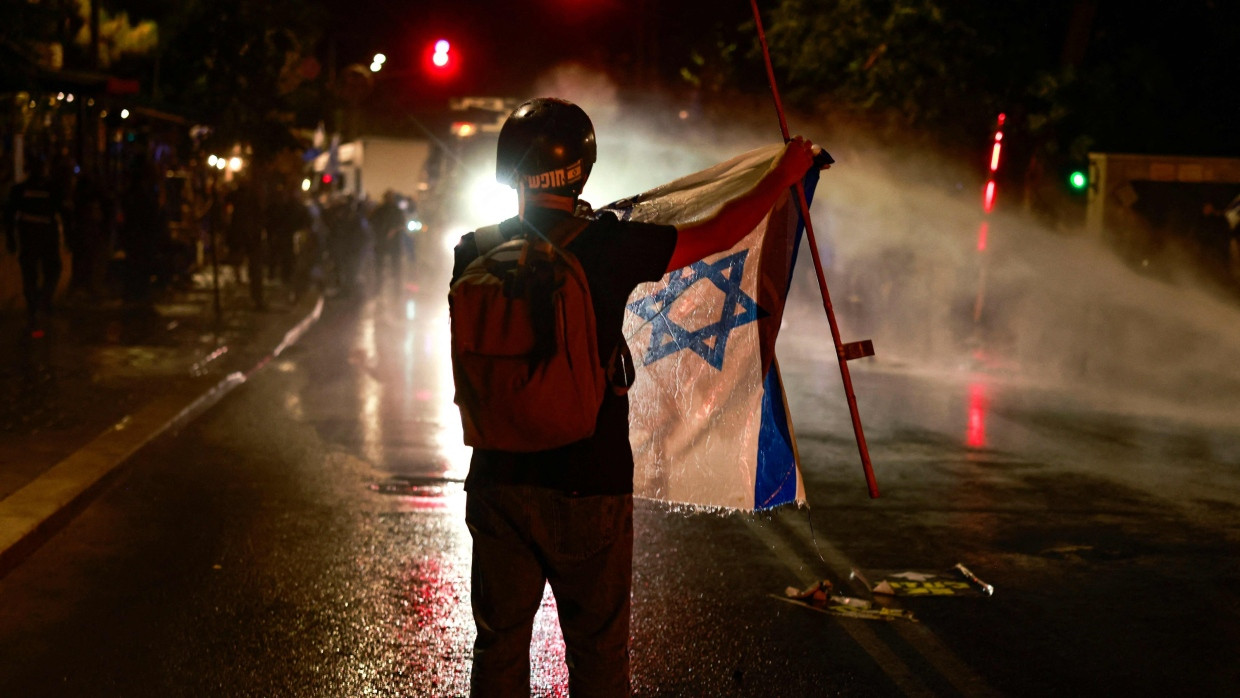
[(946, 68), (1070, 74), (906, 60), (26, 29), (242, 67)]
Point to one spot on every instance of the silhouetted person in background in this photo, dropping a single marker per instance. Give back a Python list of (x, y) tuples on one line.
[(89, 241), (347, 233), (143, 228), (246, 231), (33, 232), (312, 257), (388, 225), (285, 217)]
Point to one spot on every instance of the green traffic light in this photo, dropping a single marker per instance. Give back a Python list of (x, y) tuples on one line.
[(1078, 180)]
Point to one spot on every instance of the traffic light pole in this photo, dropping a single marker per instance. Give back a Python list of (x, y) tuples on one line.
[(844, 352)]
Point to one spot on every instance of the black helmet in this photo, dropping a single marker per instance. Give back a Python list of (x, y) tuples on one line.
[(549, 144)]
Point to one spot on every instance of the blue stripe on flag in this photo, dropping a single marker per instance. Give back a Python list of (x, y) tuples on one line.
[(810, 185), (775, 481)]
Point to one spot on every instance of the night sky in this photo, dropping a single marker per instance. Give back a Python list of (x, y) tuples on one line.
[(504, 44), (1188, 50)]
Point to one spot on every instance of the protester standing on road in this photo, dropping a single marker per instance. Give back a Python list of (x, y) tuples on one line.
[(285, 218), (143, 231), (387, 222), (565, 516), (313, 256), (348, 230), (89, 242), (245, 231), (32, 225)]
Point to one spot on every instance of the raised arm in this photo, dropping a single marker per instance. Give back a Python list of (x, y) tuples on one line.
[(738, 216)]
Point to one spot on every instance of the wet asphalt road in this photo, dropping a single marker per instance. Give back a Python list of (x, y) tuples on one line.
[(305, 538)]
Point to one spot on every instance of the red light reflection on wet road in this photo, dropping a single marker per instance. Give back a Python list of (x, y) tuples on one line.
[(435, 633), (548, 671), (979, 404), (436, 630)]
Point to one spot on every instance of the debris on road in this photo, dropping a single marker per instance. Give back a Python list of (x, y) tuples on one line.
[(988, 589), (816, 593), (923, 584), (819, 597)]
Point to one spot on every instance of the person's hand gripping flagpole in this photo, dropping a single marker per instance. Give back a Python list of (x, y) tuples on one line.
[(844, 352)]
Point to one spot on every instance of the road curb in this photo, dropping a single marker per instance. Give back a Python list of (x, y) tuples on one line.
[(32, 515)]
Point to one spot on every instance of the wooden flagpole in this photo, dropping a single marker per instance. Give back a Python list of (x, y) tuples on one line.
[(843, 352)]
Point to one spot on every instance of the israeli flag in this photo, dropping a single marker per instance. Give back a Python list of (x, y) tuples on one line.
[(709, 422)]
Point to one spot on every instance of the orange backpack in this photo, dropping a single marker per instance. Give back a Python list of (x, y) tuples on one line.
[(524, 343)]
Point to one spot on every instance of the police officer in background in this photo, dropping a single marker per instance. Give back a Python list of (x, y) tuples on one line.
[(33, 231), (565, 516)]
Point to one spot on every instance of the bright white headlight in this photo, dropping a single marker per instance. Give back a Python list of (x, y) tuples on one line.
[(452, 235), (489, 202)]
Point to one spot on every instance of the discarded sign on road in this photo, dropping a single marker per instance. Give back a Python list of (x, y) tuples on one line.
[(819, 596), (924, 584)]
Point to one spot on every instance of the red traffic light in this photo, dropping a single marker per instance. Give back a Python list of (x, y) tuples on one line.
[(440, 56), (441, 59)]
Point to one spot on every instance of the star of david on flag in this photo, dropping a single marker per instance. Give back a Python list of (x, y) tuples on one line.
[(709, 423), (710, 342)]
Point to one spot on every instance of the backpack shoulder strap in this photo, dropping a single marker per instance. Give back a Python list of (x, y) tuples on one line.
[(488, 238), (568, 230), (560, 235)]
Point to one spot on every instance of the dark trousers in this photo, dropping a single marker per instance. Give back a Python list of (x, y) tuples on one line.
[(388, 257), (40, 265), (525, 537)]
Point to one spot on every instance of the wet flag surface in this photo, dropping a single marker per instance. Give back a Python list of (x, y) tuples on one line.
[(709, 422)]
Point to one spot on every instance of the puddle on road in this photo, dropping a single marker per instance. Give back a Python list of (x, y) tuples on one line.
[(422, 492), (1069, 552), (417, 486)]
